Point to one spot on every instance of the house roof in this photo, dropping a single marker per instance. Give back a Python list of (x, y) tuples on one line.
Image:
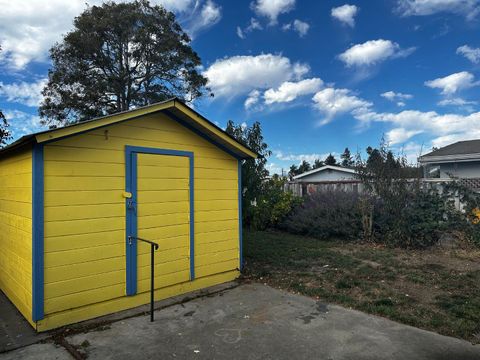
[(173, 108), (323, 168), (461, 150)]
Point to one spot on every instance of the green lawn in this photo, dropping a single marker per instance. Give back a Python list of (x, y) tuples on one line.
[(437, 289)]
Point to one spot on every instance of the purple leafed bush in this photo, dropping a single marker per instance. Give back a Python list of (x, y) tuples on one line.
[(326, 215)]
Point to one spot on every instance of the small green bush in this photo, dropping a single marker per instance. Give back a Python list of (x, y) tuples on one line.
[(273, 204)]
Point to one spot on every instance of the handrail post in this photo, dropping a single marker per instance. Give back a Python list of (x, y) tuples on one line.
[(152, 277), (153, 247)]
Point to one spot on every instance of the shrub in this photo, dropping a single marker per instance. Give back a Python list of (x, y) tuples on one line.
[(272, 205), (326, 215), (401, 212), (418, 223), (467, 220)]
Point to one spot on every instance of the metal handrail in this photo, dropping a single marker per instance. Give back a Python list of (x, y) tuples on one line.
[(153, 246)]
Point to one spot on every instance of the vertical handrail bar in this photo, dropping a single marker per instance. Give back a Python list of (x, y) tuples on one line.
[(153, 247)]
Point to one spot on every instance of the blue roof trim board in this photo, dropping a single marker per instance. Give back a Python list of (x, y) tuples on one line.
[(199, 133)]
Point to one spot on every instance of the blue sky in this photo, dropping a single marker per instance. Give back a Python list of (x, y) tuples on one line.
[(318, 75)]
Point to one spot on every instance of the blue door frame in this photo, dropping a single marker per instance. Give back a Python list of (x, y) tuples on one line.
[(131, 153)]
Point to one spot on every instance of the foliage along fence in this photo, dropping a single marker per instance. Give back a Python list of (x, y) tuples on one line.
[(302, 189)]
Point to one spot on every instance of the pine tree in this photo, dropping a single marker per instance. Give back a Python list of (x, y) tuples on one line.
[(330, 160), (5, 134), (318, 164), (347, 160), (304, 167)]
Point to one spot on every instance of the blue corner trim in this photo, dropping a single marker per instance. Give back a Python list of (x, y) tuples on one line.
[(240, 222), (37, 233), (131, 153), (192, 219)]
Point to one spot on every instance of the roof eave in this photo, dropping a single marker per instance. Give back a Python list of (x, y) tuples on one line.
[(426, 159)]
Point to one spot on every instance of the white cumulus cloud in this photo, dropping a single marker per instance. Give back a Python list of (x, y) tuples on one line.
[(345, 14), (311, 157), (472, 54), (253, 25), (456, 102), (453, 83), (238, 75), (400, 135), (399, 97), (301, 27), (468, 8), (442, 128), (373, 52), (289, 91), (252, 99), (22, 123), (332, 102), (208, 15), (29, 28), (29, 94), (272, 8)]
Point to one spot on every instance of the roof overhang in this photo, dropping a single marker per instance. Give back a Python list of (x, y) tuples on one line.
[(448, 158), (173, 108)]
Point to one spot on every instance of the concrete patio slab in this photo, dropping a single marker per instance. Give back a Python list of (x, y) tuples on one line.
[(15, 331), (251, 322), (37, 352), (258, 322)]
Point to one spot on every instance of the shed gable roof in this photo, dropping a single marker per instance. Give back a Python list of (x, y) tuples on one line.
[(173, 108)]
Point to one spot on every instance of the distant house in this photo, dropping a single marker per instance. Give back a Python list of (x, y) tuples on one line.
[(328, 177), (460, 160), (327, 173)]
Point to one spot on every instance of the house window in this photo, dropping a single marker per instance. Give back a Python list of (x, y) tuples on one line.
[(432, 172)]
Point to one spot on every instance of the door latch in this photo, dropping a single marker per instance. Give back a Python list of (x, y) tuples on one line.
[(131, 205)]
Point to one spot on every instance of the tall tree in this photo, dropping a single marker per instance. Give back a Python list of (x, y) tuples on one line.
[(318, 164), (5, 134), (117, 57), (254, 172), (293, 171), (304, 167), (330, 160), (347, 160)]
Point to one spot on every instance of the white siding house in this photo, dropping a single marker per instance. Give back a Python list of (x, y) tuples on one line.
[(327, 173), (325, 178), (460, 160)]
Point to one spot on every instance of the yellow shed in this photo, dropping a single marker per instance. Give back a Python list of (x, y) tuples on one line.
[(75, 199)]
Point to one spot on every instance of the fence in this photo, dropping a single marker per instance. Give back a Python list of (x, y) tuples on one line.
[(355, 186)]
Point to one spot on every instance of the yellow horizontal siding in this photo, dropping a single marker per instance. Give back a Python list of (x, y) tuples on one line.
[(83, 241), (85, 216), (80, 270), (16, 229), (85, 211), (212, 275)]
